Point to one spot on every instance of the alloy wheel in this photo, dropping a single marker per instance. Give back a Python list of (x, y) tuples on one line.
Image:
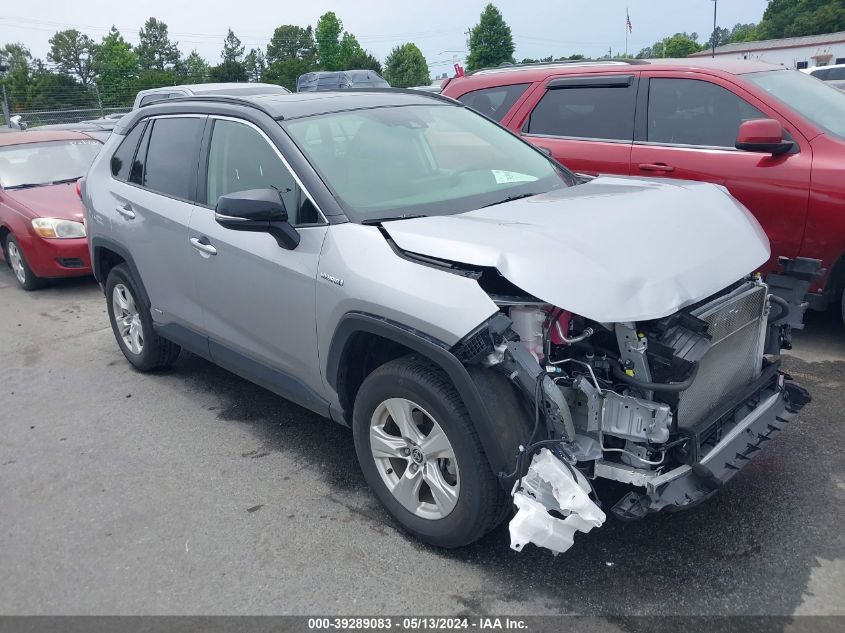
[(128, 319), (414, 458), (16, 261)]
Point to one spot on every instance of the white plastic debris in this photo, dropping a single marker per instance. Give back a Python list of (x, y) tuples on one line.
[(550, 486)]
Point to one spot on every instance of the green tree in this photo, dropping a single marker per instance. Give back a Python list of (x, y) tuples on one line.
[(55, 91), (678, 45), (291, 42), (490, 41), (349, 49), (16, 61), (232, 67), (155, 50), (744, 33), (406, 66), (364, 61), (286, 71), (327, 34), (116, 67), (791, 18), (254, 64), (196, 69), (72, 52)]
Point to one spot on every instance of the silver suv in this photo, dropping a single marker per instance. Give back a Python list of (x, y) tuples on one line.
[(497, 331)]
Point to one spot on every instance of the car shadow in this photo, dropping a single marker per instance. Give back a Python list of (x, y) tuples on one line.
[(748, 550)]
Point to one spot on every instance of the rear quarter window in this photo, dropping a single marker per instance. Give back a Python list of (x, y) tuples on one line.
[(121, 160), (494, 102)]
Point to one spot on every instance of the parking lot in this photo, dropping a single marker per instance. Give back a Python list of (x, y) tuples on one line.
[(195, 492)]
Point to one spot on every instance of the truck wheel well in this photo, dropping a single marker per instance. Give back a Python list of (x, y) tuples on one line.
[(364, 353)]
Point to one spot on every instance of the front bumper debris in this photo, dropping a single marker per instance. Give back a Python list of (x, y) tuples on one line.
[(689, 484), (550, 486)]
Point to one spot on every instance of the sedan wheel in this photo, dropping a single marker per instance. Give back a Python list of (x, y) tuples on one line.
[(414, 458), (128, 319), (16, 262)]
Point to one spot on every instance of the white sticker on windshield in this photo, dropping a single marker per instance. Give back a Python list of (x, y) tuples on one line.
[(504, 177)]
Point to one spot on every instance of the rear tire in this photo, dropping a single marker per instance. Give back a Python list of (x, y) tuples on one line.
[(20, 268), (133, 326), (457, 498)]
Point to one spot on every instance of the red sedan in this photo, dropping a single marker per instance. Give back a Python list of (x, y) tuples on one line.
[(42, 231)]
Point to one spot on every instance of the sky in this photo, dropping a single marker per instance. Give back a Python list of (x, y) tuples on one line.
[(540, 27)]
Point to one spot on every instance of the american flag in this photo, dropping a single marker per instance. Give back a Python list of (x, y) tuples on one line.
[(628, 22)]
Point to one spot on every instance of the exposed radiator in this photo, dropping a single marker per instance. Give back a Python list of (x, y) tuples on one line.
[(737, 327)]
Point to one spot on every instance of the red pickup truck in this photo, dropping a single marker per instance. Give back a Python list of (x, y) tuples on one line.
[(774, 137)]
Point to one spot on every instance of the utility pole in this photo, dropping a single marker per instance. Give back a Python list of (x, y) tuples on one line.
[(5, 106), (713, 38)]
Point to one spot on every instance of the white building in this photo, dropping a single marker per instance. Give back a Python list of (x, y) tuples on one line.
[(793, 52)]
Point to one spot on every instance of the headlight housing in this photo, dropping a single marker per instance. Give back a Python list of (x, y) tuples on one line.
[(53, 228)]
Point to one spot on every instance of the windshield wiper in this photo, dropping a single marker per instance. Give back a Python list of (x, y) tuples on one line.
[(373, 221), (511, 199), (65, 180), (27, 185)]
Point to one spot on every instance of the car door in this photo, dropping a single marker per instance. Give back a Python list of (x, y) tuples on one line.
[(153, 197), (687, 126), (586, 121), (259, 298)]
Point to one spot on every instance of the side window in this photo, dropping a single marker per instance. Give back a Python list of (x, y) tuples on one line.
[(136, 173), (820, 74), (121, 160), (172, 153), (694, 112), (589, 112), (494, 102), (835, 74), (240, 158)]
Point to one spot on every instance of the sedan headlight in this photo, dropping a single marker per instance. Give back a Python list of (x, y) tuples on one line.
[(53, 228)]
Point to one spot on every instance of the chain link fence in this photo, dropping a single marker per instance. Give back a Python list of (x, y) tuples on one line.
[(38, 104)]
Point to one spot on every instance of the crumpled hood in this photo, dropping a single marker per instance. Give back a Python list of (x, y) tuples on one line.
[(614, 249), (51, 201)]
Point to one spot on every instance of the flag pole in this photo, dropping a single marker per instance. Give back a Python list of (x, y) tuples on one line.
[(627, 21)]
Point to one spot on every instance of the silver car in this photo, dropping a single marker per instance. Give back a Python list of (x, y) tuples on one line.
[(496, 330)]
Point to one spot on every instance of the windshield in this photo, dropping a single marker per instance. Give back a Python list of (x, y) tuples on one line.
[(45, 163), (421, 160), (813, 99)]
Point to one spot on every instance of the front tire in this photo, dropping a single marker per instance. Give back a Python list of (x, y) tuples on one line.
[(20, 268), (421, 455), (133, 326)]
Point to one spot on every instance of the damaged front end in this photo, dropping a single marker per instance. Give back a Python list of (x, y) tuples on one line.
[(673, 407)]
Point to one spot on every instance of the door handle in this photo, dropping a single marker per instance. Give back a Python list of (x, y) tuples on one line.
[(658, 167), (126, 211), (202, 245)]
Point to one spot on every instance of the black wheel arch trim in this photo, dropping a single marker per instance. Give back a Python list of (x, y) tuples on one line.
[(437, 352), (101, 243)]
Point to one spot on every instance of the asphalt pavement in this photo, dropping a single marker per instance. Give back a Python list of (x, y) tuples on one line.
[(193, 491)]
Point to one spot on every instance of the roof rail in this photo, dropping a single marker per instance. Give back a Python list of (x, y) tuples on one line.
[(231, 99), (407, 91), (560, 64)]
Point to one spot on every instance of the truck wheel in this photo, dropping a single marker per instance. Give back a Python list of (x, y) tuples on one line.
[(421, 455), (17, 262), (133, 326)]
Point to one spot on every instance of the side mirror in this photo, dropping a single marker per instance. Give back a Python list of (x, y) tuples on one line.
[(257, 211), (763, 135)]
